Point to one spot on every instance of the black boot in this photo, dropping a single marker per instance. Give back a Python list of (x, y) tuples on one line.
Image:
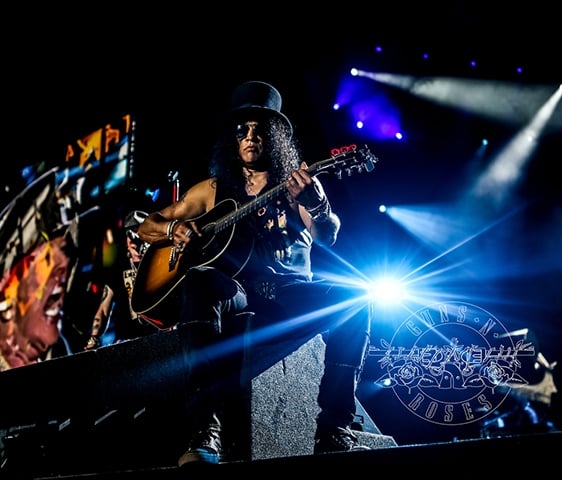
[(337, 439), (336, 399), (205, 445)]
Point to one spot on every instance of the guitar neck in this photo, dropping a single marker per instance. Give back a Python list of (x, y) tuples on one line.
[(255, 204)]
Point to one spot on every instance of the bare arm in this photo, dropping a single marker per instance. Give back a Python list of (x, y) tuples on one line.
[(101, 319), (172, 222), (324, 228)]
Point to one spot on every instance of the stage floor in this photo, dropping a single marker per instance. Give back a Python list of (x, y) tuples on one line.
[(532, 454)]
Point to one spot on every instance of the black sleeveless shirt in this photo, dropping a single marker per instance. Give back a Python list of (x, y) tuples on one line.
[(281, 243)]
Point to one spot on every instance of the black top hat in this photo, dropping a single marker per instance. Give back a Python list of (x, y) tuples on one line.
[(257, 98)]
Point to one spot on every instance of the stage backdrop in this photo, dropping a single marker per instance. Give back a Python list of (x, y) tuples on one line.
[(58, 239)]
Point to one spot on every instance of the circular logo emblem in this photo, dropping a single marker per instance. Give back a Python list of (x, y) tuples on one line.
[(452, 363)]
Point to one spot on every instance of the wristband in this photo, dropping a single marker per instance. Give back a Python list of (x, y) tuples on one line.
[(321, 217), (321, 212), (170, 229)]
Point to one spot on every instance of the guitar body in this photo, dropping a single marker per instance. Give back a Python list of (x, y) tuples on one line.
[(163, 266)]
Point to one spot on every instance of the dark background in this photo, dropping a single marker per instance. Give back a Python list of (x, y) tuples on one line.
[(67, 73)]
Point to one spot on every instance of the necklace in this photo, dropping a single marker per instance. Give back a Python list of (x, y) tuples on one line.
[(255, 180), (248, 174)]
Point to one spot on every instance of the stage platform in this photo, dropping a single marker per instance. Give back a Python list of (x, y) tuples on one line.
[(111, 413), (534, 455)]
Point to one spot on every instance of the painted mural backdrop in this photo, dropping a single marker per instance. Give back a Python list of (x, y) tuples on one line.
[(56, 241)]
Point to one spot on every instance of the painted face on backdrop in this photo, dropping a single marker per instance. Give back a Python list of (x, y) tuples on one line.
[(37, 299)]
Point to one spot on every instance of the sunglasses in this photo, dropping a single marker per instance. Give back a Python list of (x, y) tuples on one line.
[(243, 129)]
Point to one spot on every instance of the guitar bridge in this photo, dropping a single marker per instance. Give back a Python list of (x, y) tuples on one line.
[(173, 260)]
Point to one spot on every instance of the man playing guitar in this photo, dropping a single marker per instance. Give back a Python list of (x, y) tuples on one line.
[(240, 241)]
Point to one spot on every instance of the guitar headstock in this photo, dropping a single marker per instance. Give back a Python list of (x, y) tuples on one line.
[(346, 160)]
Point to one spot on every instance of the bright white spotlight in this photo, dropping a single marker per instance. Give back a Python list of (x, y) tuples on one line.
[(387, 291), (382, 208)]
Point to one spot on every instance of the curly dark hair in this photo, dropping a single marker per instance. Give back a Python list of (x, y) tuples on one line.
[(281, 151)]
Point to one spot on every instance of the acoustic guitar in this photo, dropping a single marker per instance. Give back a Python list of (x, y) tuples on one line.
[(164, 266)]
